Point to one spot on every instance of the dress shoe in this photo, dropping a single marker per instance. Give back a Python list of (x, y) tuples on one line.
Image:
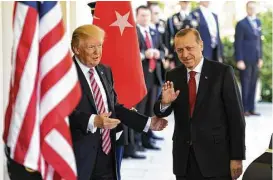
[(134, 156), (247, 113), (140, 148), (151, 146), (157, 137), (254, 113)]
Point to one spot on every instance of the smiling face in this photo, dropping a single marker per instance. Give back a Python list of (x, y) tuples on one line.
[(189, 49)]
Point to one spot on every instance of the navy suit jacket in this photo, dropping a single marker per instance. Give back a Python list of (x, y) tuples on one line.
[(205, 35), (248, 44), (157, 44)]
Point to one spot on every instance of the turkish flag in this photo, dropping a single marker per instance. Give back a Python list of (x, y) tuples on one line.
[(121, 50)]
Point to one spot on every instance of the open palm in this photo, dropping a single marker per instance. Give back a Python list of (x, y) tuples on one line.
[(168, 93)]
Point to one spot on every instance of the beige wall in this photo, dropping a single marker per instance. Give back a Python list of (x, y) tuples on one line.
[(5, 48)]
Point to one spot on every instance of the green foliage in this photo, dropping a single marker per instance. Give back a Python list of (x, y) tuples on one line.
[(266, 71), (194, 5)]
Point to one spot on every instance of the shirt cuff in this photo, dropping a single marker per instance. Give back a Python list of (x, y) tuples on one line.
[(148, 124), (91, 127), (118, 134), (164, 107)]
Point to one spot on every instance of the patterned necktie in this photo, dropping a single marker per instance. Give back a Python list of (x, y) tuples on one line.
[(152, 61), (106, 141), (192, 91)]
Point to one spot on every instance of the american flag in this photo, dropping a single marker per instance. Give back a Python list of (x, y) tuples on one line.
[(44, 90)]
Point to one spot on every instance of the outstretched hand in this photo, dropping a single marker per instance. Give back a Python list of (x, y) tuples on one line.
[(158, 124), (103, 121)]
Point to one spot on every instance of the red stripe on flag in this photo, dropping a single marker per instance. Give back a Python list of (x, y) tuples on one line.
[(56, 73), (66, 106), (27, 128), (48, 42), (59, 164)]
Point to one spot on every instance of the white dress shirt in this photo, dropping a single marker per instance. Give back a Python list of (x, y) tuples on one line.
[(212, 25), (253, 23), (91, 127), (198, 70)]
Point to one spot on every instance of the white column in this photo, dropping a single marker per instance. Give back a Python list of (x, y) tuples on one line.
[(6, 11), (83, 13), (1, 102)]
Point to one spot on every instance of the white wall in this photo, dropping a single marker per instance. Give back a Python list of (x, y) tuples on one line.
[(5, 67)]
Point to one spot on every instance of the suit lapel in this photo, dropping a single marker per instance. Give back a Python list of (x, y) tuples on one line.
[(84, 84), (141, 37), (203, 86)]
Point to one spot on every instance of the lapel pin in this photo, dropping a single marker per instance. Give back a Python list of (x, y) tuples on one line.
[(206, 77), (101, 72)]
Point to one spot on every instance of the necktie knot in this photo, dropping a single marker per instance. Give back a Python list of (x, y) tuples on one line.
[(192, 74), (91, 71)]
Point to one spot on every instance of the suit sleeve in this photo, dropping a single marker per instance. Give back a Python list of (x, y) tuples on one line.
[(238, 44), (157, 106), (261, 44), (130, 118), (79, 120), (235, 119)]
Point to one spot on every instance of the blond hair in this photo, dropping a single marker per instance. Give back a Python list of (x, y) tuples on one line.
[(86, 31)]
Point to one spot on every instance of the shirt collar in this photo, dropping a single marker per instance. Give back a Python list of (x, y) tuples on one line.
[(205, 10), (143, 29), (198, 68), (251, 18), (83, 67)]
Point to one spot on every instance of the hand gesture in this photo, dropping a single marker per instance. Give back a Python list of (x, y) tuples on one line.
[(149, 54), (156, 54), (241, 65), (168, 93), (103, 121), (260, 63), (236, 168), (158, 124)]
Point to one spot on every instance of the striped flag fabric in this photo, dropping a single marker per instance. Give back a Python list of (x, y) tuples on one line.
[(44, 90)]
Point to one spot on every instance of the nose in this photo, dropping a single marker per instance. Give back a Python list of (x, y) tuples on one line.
[(184, 53)]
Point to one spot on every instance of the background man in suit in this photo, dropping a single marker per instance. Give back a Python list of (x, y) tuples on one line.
[(208, 27), (209, 132), (93, 121), (174, 24), (248, 54), (152, 53)]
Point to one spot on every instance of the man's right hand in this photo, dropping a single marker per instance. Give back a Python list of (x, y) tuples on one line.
[(168, 93), (104, 122), (241, 65)]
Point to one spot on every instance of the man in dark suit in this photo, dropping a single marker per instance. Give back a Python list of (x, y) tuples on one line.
[(152, 53), (248, 54), (208, 27), (209, 132), (93, 122)]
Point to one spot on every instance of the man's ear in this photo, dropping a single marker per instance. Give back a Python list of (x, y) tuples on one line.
[(75, 50), (201, 45)]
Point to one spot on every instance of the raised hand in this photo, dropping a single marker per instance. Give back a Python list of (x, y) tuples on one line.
[(158, 124), (168, 93), (103, 121)]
